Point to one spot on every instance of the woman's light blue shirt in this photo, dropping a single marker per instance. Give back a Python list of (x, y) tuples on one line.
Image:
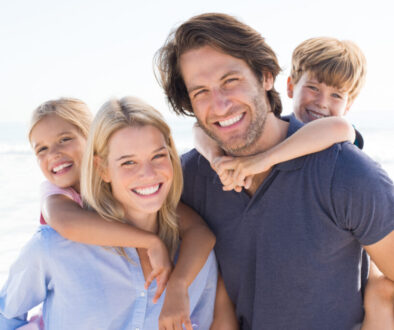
[(89, 287)]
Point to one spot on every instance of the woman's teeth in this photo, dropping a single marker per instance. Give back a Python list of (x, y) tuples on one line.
[(147, 191), (230, 121), (60, 167)]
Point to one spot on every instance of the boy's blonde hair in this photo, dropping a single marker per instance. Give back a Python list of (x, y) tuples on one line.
[(71, 110), (337, 63), (113, 116)]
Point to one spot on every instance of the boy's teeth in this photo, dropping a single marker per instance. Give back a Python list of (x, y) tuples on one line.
[(60, 167), (230, 121), (147, 191)]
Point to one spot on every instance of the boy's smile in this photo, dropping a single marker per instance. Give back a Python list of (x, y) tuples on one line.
[(313, 99)]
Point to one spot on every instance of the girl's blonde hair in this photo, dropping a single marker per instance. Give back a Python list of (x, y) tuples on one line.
[(113, 116), (71, 110)]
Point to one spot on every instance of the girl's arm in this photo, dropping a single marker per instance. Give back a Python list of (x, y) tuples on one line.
[(313, 137), (197, 242), (224, 317), (84, 226)]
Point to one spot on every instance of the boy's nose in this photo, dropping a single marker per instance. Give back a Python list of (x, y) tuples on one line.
[(322, 101)]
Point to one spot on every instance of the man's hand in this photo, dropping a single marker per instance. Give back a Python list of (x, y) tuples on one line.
[(161, 267), (176, 310)]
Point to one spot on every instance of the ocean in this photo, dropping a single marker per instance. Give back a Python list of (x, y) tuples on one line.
[(20, 177)]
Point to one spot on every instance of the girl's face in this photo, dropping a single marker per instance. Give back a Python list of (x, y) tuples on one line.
[(139, 169), (59, 147)]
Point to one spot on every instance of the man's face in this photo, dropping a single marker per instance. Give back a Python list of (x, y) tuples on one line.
[(230, 104), (313, 100)]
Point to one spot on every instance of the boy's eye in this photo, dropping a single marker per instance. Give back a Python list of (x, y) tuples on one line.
[(337, 96), (314, 88)]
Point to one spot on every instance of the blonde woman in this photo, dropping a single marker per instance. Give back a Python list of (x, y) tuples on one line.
[(130, 173)]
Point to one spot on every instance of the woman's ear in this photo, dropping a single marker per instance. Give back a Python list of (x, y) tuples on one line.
[(102, 169)]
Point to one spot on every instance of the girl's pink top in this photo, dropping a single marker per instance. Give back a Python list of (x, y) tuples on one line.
[(48, 189)]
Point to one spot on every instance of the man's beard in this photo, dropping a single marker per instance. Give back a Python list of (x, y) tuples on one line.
[(246, 143)]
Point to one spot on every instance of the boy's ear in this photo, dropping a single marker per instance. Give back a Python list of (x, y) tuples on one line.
[(102, 169), (348, 106), (290, 87), (268, 81)]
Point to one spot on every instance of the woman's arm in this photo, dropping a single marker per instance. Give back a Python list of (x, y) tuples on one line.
[(197, 241), (84, 226), (224, 317), (313, 137), (205, 145)]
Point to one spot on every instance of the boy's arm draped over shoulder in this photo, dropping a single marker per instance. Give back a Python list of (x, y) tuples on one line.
[(26, 285), (363, 202)]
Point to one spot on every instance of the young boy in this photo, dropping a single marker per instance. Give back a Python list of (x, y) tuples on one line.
[(326, 76)]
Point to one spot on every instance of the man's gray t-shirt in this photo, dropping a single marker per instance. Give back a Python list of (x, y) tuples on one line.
[(290, 255)]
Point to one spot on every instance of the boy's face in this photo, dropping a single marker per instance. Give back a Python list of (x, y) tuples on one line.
[(314, 100)]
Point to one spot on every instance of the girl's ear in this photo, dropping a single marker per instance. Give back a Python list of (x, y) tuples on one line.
[(102, 169)]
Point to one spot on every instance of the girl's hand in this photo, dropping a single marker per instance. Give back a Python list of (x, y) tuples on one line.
[(175, 311), (161, 267)]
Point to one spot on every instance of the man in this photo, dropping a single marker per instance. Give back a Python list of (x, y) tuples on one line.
[(289, 247)]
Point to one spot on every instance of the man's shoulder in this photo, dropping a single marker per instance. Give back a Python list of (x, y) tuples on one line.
[(193, 163)]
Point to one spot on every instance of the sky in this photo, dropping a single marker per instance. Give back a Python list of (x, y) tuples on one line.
[(95, 50)]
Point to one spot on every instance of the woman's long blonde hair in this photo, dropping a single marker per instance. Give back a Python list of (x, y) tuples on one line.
[(113, 116)]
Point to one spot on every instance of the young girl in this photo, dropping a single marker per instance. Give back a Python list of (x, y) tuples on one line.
[(90, 287), (58, 135)]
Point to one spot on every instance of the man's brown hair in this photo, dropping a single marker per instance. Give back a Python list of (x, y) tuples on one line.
[(337, 63), (222, 32)]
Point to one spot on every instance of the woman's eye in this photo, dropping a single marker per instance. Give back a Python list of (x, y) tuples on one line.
[(159, 156), (129, 162)]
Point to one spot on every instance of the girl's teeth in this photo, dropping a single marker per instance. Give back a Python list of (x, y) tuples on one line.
[(60, 167), (147, 191), (231, 121)]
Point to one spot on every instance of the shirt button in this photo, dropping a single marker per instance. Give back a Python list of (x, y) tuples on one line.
[(142, 294)]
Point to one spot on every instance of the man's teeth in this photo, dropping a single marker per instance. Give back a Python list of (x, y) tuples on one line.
[(147, 191), (60, 167), (230, 121)]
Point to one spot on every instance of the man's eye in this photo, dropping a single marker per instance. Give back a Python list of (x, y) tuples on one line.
[(199, 93), (230, 80)]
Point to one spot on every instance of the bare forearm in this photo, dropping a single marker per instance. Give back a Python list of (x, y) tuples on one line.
[(205, 145), (313, 137), (83, 226)]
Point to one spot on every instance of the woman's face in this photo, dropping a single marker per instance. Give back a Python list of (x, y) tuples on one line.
[(139, 169)]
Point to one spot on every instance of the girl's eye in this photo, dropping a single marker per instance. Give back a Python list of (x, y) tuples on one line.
[(40, 150), (65, 139)]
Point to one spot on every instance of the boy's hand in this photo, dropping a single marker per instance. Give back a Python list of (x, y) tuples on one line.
[(161, 267), (237, 172), (175, 311)]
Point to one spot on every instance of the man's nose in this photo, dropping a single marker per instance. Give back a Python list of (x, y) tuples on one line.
[(221, 103)]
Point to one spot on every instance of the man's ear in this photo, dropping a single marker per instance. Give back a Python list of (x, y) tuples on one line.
[(268, 81), (102, 169), (290, 87)]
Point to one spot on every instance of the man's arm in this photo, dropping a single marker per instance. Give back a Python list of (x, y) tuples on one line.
[(382, 253)]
